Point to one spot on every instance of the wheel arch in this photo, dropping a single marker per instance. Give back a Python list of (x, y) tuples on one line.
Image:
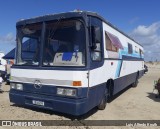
[(110, 86)]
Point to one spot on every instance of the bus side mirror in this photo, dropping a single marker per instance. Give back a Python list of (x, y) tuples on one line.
[(93, 37)]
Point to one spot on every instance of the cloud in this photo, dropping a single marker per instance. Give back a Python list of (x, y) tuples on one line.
[(149, 37), (8, 38), (147, 30), (7, 42)]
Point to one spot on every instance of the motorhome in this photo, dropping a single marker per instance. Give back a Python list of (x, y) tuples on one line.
[(72, 62)]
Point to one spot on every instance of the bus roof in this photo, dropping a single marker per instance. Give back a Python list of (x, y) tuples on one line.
[(71, 14)]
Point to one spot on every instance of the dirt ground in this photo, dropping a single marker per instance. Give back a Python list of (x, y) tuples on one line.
[(134, 104)]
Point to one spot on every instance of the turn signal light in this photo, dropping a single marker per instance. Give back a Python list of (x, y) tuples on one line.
[(77, 83)]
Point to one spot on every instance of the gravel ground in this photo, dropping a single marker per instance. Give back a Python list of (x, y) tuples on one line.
[(134, 104)]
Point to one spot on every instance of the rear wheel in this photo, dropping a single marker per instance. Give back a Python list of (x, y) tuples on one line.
[(136, 81), (110, 87), (103, 102)]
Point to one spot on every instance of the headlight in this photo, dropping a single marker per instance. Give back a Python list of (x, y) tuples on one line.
[(19, 86), (70, 92), (60, 91), (13, 85), (16, 86), (66, 92)]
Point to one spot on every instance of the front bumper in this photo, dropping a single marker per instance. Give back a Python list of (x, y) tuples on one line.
[(73, 106)]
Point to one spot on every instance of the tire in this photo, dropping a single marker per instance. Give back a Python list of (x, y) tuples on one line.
[(110, 87), (103, 102), (135, 84)]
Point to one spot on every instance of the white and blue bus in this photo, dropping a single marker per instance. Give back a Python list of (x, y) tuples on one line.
[(72, 62)]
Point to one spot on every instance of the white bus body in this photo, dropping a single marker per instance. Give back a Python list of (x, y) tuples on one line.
[(99, 61)]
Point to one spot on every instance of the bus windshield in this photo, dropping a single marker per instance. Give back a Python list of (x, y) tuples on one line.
[(64, 44), (29, 39)]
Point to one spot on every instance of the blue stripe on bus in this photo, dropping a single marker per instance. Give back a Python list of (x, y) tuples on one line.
[(118, 70), (131, 58), (123, 55), (134, 54), (119, 65)]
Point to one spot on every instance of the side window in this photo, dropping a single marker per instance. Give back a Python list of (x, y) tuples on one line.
[(96, 38), (113, 45), (29, 48), (136, 49), (140, 52), (109, 44), (130, 48)]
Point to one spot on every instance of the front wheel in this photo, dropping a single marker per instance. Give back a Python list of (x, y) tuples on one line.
[(103, 102)]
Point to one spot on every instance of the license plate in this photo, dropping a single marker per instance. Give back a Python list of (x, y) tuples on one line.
[(36, 102)]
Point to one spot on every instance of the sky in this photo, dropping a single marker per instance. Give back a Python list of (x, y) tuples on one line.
[(138, 18)]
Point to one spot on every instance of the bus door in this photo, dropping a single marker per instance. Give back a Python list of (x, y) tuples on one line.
[(96, 52)]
